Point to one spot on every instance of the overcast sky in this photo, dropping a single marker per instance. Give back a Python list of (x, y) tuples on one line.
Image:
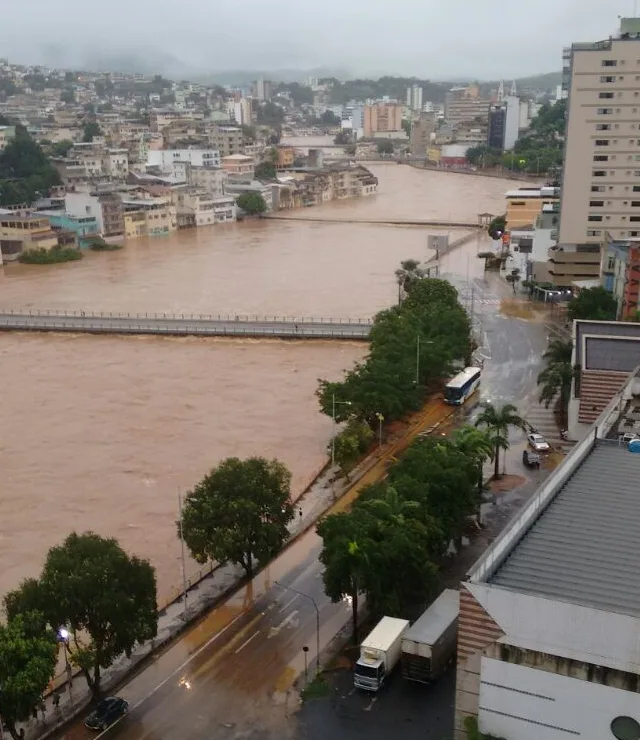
[(437, 39)]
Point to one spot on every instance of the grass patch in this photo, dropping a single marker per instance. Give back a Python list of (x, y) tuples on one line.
[(42, 256), (317, 689)]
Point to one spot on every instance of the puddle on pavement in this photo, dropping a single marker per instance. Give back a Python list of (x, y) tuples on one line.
[(516, 308)]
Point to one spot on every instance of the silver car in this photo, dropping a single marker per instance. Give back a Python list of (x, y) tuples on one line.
[(538, 442)]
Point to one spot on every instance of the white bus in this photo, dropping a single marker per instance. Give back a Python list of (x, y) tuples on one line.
[(458, 389)]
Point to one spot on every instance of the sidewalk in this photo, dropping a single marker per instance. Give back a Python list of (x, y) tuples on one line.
[(71, 698)]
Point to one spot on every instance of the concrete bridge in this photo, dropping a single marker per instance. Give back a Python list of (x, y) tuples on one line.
[(277, 327)]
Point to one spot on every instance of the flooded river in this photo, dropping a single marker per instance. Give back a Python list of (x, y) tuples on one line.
[(100, 433)]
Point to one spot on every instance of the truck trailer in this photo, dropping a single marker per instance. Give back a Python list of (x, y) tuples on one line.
[(379, 653), (429, 644)]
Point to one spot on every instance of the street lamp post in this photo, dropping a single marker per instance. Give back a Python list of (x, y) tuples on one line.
[(315, 606), (333, 417), (63, 637), (380, 419), (184, 569)]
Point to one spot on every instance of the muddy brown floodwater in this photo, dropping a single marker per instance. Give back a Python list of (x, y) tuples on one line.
[(101, 432)]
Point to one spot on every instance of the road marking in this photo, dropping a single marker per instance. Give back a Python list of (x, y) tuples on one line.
[(246, 642), (371, 703), (288, 604), (179, 669), (276, 630)]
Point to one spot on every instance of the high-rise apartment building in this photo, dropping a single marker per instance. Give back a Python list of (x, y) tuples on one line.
[(414, 98), (601, 176), (382, 118)]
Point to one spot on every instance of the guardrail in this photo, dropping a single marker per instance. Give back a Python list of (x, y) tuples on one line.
[(63, 313)]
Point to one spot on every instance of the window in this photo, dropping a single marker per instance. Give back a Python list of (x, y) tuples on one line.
[(635, 219), (605, 111), (633, 233), (602, 142), (605, 95), (635, 203), (607, 78), (596, 203), (594, 232), (599, 188), (599, 173), (636, 188), (600, 158), (609, 62), (598, 218), (603, 127)]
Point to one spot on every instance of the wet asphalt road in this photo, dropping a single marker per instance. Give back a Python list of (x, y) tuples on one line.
[(231, 676)]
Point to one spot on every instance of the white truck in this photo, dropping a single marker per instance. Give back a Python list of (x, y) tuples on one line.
[(379, 653), (429, 644)]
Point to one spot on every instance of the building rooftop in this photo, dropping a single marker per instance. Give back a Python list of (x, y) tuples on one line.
[(584, 547)]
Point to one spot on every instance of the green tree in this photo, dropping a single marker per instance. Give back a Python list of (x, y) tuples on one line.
[(61, 148), (475, 445), (593, 304), (497, 422), (91, 130), (90, 585), (266, 171), (252, 203), (270, 114), (239, 512), (497, 227), (248, 132), (300, 94), (406, 126), (351, 443), (385, 147), (68, 95), (556, 379), (438, 475), (408, 272), (342, 138), (27, 664), (25, 171)]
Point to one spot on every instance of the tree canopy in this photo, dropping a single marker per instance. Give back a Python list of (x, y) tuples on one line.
[(497, 420), (418, 340), (25, 171), (266, 171), (252, 203), (385, 147), (27, 664), (595, 304), (239, 512), (90, 585)]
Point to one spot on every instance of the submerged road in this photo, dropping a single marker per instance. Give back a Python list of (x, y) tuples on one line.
[(180, 325), (230, 677)]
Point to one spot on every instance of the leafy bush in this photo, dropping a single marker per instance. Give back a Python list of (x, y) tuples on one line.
[(42, 256)]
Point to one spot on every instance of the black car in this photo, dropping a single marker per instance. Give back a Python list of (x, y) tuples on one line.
[(107, 712), (531, 459)]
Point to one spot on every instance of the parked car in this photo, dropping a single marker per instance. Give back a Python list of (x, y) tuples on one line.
[(106, 713), (538, 442), (530, 459)]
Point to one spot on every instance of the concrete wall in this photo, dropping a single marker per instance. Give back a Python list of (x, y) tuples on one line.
[(521, 703)]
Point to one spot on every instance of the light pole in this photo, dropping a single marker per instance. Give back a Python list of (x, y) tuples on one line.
[(63, 637), (184, 570), (315, 605), (418, 360), (380, 419), (333, 417)]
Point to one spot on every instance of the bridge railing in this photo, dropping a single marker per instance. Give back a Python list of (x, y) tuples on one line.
[(247, 318), (188, 329)]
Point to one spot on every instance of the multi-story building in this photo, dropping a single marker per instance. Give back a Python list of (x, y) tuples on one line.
[(263, 89), (414, 98), (104, 206), (496, 127), (238, 164), (164, 158), (550, 614), (209, 179), (525, 204), (382, 118), (6, 134), (205, 209), (504, 124), (464, 105), (240, 111), (149, 216), (19, 233), (601, 174), (421, 129), (226, 139), (286, 156)]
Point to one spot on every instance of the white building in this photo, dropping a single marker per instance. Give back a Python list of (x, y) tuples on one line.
[(414, 98), (210, 179), (164, 158), (116, 163), (549, 626), (512, 122), (240, 111)]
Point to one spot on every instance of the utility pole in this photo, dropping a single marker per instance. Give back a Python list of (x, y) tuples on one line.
[(184, 570), (418, 360)]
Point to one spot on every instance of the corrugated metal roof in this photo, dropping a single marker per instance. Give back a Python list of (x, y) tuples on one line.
[(585, 547)]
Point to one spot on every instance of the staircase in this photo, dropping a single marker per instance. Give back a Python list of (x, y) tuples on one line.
[(597, 388)]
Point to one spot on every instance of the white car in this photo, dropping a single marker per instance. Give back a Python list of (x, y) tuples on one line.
[(538, 442)]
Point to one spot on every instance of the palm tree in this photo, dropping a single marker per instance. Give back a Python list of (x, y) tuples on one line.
[(408, 272), (558, 351), (477, 446), (555, 380), (497, 421)]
